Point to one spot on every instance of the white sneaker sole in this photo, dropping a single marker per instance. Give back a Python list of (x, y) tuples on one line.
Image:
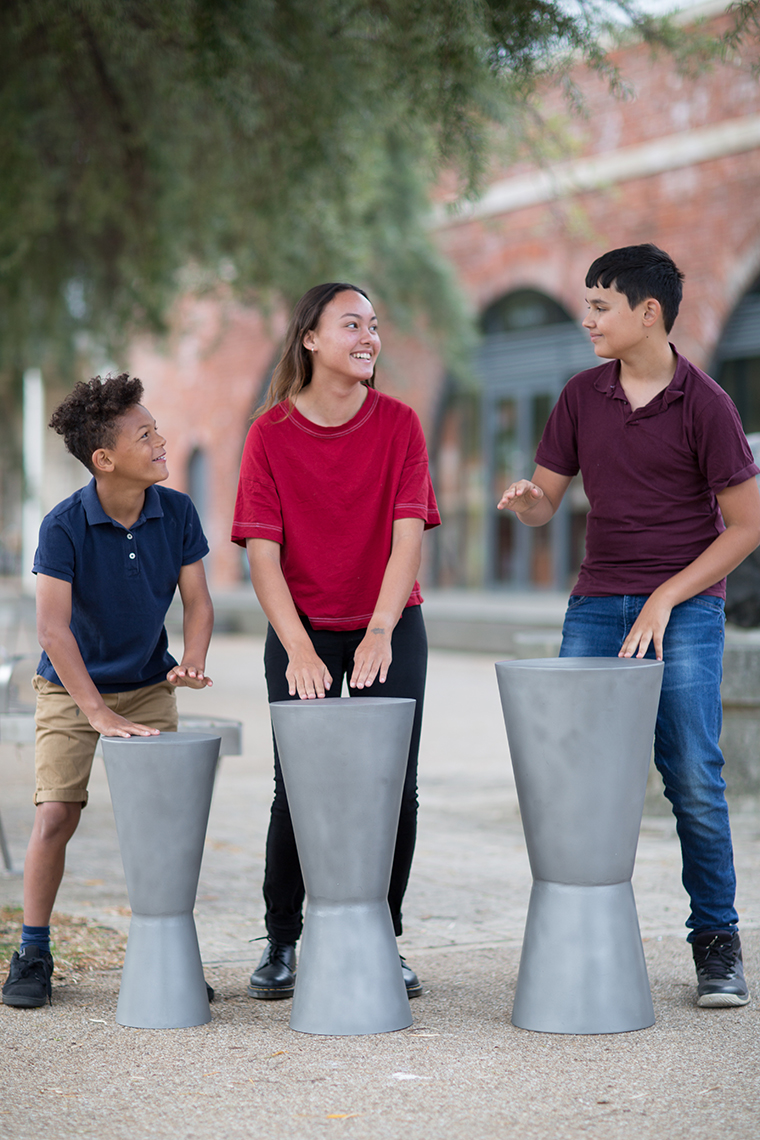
[(717, 1001)]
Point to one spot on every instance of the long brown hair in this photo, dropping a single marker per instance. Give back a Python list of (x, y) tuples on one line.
[(294, 368)]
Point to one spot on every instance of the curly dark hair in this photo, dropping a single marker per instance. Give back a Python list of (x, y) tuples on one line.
[(88, 416)]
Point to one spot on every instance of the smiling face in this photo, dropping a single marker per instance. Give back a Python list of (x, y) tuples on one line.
[(139, 454), (614, 327), (345, 343)]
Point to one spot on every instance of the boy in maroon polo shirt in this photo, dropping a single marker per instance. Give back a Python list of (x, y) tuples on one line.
[(674, 506)]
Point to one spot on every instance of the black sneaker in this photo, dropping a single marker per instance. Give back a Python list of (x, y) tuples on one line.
[(412, 982), (720, 971), (275, 976), (28, 983)]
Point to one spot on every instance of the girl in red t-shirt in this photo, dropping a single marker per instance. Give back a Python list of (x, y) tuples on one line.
[(333, 500)]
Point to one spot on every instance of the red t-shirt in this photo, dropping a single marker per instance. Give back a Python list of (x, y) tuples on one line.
[(329, 496), (651, 476)]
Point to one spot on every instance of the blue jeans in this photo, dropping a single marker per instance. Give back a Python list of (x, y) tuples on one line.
[(689, 721)]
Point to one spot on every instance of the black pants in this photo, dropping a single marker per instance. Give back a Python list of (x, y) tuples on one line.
[(283, 882)]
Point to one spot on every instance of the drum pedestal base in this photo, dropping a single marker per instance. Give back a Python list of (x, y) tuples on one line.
[(356, 948), (582, 968), (162, 984)]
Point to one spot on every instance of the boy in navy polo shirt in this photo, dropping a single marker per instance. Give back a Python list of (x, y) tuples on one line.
[(674, 507), (108, 562)]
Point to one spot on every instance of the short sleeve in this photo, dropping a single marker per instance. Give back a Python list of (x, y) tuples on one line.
[(558, 449), (195, 544), (55, 555), (723, 453), (415, 498), (258, 511)]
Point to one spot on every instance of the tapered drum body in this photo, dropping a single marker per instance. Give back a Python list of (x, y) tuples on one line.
[(344, 762), (161, 790), (580, 733)]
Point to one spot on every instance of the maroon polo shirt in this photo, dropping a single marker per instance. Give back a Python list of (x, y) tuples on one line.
[(651, 476)]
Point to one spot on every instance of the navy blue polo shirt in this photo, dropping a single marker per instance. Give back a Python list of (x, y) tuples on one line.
[(122, 581)]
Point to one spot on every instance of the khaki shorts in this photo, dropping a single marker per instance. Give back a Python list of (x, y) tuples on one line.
[(65, 740)]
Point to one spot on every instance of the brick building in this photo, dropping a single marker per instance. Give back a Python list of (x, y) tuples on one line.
[(677, 164)]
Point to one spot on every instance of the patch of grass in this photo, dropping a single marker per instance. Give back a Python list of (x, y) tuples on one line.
[(79, 945), (10, 931)]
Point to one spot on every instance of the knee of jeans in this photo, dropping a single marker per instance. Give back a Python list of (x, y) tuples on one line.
[(695, 791)]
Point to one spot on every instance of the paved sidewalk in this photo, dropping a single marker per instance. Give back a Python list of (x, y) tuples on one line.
[(462, 1070)]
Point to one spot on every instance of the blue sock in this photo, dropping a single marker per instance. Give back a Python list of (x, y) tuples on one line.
[(36, 936)]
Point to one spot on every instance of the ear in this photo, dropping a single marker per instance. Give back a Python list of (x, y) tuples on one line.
[(102, 461), (309, 342), (652, 310)]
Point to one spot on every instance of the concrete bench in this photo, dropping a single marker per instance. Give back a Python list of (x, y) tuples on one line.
[(16, 717), (740, 692)]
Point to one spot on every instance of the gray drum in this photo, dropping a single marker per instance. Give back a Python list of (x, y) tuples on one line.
[(161, 790), (580, 733), (344, 761)]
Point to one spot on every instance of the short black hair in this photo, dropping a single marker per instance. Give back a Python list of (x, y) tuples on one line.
[(88, 416), (640, 271)]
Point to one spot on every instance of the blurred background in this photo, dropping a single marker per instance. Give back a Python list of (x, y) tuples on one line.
[(175, 174)]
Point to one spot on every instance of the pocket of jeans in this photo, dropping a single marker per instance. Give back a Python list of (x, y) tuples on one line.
[(709, 603), (576, 600)]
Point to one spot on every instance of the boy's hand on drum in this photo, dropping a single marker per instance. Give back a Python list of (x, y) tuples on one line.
[(307, 675), (372, 658), (110, 723), (188, 676)]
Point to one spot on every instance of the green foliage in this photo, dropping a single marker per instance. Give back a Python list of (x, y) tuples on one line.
[(744, 28), (148, 145)]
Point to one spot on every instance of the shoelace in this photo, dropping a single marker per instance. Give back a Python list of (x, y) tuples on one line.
[(277, 953), (275, 949), (719, 958), (27, 966)]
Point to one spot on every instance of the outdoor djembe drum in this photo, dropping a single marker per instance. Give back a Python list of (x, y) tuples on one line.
[(343, 761), (580, 733), (161, 794)]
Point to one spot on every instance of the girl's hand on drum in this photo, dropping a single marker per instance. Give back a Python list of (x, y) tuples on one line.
[(307, 675), (372, 658)]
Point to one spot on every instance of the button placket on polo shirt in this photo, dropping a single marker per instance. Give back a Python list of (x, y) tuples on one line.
[(133, 562), (656, 407)]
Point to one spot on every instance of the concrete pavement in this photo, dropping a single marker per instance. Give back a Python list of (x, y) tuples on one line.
[(462, 1069)]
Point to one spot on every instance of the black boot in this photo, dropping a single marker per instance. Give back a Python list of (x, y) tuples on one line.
[(275, 976), (411, 981)]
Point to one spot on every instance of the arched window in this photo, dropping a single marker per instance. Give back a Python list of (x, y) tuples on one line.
[(523, 309), (487, 436), (197, 481), (737, 359)]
